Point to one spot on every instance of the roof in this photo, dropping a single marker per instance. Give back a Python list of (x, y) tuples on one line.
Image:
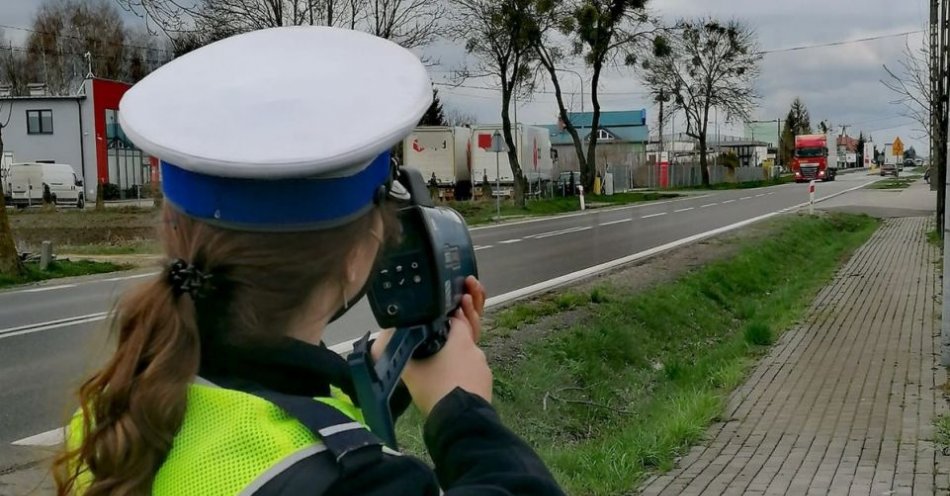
[(738, 143), (41, 97), (610, 119), (625, 126)]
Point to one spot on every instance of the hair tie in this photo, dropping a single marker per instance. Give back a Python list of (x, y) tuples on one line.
[(186, 278)]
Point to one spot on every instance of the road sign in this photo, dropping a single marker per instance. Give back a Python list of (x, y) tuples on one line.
[(898, 147)]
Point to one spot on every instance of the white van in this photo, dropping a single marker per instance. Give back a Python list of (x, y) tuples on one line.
[(27, 180)]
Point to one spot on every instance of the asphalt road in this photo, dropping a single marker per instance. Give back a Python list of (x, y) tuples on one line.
[(52, 335)]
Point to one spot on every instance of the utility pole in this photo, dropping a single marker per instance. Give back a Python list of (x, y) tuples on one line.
[(939, 37), (662, 98)]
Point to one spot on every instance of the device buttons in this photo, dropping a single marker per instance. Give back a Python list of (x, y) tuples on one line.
[(417, 279), (392, 310)]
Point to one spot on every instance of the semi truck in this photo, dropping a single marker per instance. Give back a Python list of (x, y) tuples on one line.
[(534, 154), (814, 159)]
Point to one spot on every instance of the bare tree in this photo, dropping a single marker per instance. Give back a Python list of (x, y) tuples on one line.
[(175, 17), (10, 264), (494, 31), (14, 71), (603, 32), (911, 86), (706, 65), (65, 31), (459, 118), (411, 23)]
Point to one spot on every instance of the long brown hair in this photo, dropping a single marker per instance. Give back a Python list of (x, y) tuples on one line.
[(134, 406)]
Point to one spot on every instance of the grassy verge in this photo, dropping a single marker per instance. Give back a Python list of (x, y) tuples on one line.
[(638, 377), (128, 247), (942, 433), (895, 183), (933, 237), (743, 185), (483, 212), (58, 269)]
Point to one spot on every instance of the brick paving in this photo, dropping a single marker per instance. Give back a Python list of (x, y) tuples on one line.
[(843, 404)]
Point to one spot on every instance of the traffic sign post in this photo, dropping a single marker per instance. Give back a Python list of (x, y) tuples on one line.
[(498, 146), (811, 197)]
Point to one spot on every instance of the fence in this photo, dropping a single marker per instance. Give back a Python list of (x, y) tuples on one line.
[(640, 174)]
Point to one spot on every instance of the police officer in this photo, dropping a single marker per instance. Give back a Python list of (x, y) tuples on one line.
[(276, 175)]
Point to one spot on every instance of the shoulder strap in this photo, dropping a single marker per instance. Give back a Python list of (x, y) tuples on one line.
[(350, 446)]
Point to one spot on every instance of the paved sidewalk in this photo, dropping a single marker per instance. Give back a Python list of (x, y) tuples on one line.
[(844, 404)]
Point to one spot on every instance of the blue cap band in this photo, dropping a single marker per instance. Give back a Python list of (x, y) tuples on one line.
[(297, 204)]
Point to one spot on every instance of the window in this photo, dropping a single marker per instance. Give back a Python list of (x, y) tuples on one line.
[(603, 135), (39, 122)]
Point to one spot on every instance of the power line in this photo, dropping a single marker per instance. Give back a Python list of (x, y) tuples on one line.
[(842, 43), (489, 88)]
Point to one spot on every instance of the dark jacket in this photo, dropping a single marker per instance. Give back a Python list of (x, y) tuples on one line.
[(474, 453)]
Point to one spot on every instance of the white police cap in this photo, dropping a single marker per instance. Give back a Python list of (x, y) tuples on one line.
[(278, 129)]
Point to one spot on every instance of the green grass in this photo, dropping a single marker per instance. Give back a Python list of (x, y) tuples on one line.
[(58, 269), (743, 185), (933, 237), (131, 247), (607, 401), (483, 211), (895, 183), (942, 432)]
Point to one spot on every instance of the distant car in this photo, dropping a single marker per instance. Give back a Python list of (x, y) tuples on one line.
[(564, 180), (908, 162), (890, 169)]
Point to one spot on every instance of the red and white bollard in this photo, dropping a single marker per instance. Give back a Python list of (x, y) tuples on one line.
[(811, 198), (581, 190)]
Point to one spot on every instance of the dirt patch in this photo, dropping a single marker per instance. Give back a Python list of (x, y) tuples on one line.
[(505, 345), (82, 228)]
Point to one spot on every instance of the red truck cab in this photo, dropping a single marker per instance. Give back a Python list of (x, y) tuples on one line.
[(813, 159)]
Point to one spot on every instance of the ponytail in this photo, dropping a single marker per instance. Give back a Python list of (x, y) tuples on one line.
[(133, 408)]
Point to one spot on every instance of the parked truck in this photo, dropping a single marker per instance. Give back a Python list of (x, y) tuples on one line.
[(443, 153), (814, 159), (534, 155)]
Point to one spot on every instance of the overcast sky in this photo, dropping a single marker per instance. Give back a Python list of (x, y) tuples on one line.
[(841, 84)]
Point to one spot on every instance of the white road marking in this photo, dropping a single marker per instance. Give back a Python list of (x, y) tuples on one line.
[(683, 210), (770, 194), (477, 248), (588, 212), (729, 201), (559, 233), (745, 198), (40, 289), (614, 222), (126, 278), (54, 437), (653, 215), (509, 241), (709, 205), (760, 195), (47, 288), (346, 346), (54, 324)]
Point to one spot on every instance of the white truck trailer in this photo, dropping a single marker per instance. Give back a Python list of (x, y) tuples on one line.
[(534, 154), (439, 151)]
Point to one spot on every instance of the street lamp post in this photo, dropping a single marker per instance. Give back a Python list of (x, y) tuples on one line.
[(581, 79)]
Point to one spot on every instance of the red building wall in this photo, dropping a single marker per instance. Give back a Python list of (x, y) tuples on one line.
[(106, 94)]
